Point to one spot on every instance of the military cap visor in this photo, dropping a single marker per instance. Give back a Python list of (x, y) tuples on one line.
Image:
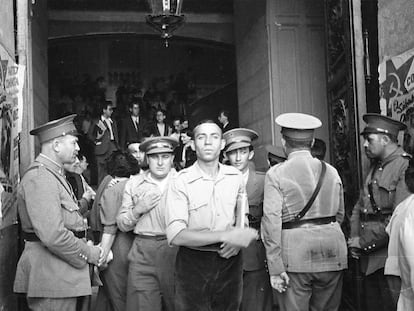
[(239, 138), (380, 124), (56, 128), (159, 144), (298, 126)]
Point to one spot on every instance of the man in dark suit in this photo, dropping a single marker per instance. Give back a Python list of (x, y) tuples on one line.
[(224, 119), (160, 128), (257, 291), (104, 133), (132, 127)]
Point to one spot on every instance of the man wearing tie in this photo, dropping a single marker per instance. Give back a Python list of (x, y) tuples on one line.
[(104, 133), (132, 127)]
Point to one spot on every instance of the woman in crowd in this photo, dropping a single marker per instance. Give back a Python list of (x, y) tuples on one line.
[(115, 244)]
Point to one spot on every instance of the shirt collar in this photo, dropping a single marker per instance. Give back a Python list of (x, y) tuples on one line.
[(104, 119), (196, 172), (51, 164)]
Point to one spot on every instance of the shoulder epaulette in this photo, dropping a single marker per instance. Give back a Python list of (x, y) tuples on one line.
[(406, 155)]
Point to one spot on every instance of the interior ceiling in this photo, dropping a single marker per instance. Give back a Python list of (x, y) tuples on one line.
[(192, 6)]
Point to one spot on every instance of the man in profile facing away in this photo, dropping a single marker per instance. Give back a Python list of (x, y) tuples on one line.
[(202, 219)]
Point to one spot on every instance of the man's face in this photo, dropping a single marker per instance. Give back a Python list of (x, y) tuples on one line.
[(160, 164), (134, 110), (160, 117), (222, 118), (108, 111), (83, 164), (133, 149), (239, 158), (185, 138), (374, 145), (208, 142), (67, 149), (177, 125), (184, 125)]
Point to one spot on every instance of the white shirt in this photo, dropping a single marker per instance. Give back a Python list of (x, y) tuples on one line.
[(108, 122)]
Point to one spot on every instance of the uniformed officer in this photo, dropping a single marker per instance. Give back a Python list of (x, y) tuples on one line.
[(53, 269), (151, 261), (384, 189), (257, 292), (303, 207)]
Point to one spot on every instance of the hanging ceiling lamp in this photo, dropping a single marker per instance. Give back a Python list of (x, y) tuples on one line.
[(166, 17)]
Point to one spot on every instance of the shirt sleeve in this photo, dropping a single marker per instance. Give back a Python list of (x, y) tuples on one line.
[(176, 213), (341, 206), (111, 201), (272, 224), (406, 238), (126, 219), (43, 203)]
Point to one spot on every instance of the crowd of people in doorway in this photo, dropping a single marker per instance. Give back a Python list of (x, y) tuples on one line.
[(182, 219)]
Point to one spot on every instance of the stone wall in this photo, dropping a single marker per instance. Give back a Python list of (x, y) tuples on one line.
[(395, 27)]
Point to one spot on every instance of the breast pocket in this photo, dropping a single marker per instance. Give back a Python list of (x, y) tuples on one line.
[(71, 216), (386, 191), (199, 215)]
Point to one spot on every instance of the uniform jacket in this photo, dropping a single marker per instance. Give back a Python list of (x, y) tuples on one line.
[(129, 134), (389, 189), (254, 256), (288, 187), (103, 144), (56, 266)]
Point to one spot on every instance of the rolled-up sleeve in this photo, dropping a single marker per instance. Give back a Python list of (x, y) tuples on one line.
[(272, 224), (176, 214), (126, 218), (111, 201)]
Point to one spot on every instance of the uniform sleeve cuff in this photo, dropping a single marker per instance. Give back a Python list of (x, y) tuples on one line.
[(175, 228)]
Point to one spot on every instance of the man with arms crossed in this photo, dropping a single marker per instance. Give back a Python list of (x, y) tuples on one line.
[(202, 215)]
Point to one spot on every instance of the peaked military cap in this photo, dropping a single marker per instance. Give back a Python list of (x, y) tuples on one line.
[(239, 138), (276, 152), (380, 124), (56, 128), (298, 126), (158, 144)]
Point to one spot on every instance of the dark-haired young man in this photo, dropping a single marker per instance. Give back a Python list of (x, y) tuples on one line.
[(132, 127), (204, 219), (224, 119), (257, 292), (104, 133)]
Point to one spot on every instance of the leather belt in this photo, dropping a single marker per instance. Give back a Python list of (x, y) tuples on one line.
[(152, 237), (314, 221), (374, 217), (32, 237)]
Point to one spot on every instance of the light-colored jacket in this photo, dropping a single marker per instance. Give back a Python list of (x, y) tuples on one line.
[(288, 187)]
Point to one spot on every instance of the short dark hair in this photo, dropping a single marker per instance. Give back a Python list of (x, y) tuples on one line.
[(122, 164), (298, 144), (318, 149), (104, 105), (136, 101), (225, 112), (206, 121)]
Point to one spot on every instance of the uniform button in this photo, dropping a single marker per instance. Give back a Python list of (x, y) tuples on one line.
[(368, 196), (375, 181), (362, 226), (365, 249), (380, 169), (369, 247), (365, 210), (373, 245)]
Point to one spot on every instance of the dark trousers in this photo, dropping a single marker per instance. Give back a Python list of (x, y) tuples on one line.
[(151, 275), (112, 295), (205, 281), (377, 293), (318, 291), (257, 291)]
